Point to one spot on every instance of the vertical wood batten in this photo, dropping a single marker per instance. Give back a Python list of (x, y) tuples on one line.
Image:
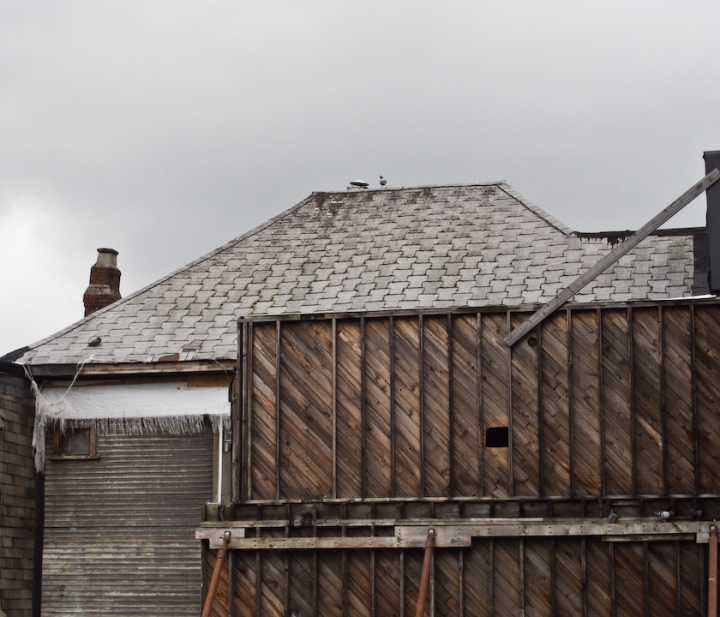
[(678, 580), (250, 371), (401, 602), (461, 583), (451, 404), (231, 582), (601, 396), (363, 409), (278, 458), (509, 411), (663, 403), (334, 410), (237, 418), (631, 393), (646, 579), (258, 580), (613, 587), (693, 369), (491, 577), (522, 576), (421, 372), (583, 576), (571, 400), (540, 411), (393, 479), (481, 423)]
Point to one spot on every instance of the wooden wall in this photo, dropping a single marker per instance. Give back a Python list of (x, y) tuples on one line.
[(385, 417), (605, 402), (506, 577), (17, 496), (119, 530)]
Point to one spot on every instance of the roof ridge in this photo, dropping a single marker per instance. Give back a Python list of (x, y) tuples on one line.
[(419, 186), (161, 280), (537, 210)]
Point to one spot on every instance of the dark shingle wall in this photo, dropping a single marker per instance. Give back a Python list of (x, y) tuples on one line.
[(17, 496)]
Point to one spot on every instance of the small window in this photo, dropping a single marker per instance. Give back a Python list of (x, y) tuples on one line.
[(79, 442), (496, 437)]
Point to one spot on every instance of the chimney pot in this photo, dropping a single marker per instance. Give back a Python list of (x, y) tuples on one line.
[(104, 288)]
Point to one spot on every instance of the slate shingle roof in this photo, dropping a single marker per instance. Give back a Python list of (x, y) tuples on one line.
[(429, 247)]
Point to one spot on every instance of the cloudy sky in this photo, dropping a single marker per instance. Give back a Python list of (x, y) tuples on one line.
[(165, 129)]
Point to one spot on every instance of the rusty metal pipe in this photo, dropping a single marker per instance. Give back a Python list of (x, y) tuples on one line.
[(712, 572), (425, 576), (221, 554)]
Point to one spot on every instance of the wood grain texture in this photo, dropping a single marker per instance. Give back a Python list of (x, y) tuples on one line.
[(506, 574), (272, 584), (555, 410), (568, 583), (692, 589), (585, 398), (616, 397), (447, 583), (331, 590), (466, 454), (496, 463), (525, 417), (662, 579), (244, 584), (407, 408), (348, 392), (478, 572), (436, 426), (220, 601), (678, 400), (306, 407), (647, 401), (538, 579), (264, 456), (707, 350), (388, 577), (629, 579), (378, 480), (598, 579)]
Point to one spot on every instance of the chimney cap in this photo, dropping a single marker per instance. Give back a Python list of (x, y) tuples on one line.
[(112, 251)]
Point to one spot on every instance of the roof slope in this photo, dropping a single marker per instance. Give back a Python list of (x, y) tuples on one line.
[(429, 247)]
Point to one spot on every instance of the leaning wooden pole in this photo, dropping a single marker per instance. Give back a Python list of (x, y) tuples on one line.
[(612, 257), (712, 572), (221, 554), (425, 577)]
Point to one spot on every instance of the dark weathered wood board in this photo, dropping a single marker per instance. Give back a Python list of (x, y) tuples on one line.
[(500, 578)]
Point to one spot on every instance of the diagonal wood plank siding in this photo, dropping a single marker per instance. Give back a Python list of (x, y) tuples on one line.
[(610, 402), (374, 417), (498, 578)]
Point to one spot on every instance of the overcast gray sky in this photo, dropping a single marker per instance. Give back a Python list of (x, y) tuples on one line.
[(165, 129)]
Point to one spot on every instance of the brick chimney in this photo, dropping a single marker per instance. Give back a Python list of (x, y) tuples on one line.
[(104, 285)]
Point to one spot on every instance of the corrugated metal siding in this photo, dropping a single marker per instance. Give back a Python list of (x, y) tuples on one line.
[(119, 531)]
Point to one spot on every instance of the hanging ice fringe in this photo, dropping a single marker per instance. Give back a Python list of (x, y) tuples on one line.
[(128, 409)]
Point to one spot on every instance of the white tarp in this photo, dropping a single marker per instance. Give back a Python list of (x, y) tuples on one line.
[(129, 408), (119, 402)]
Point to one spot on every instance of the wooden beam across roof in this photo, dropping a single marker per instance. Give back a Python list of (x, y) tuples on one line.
[(613, 256)]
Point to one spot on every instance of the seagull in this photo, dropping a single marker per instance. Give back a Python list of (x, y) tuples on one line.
[(613, 517), (383, 181), (95, 342), (665, 515)]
